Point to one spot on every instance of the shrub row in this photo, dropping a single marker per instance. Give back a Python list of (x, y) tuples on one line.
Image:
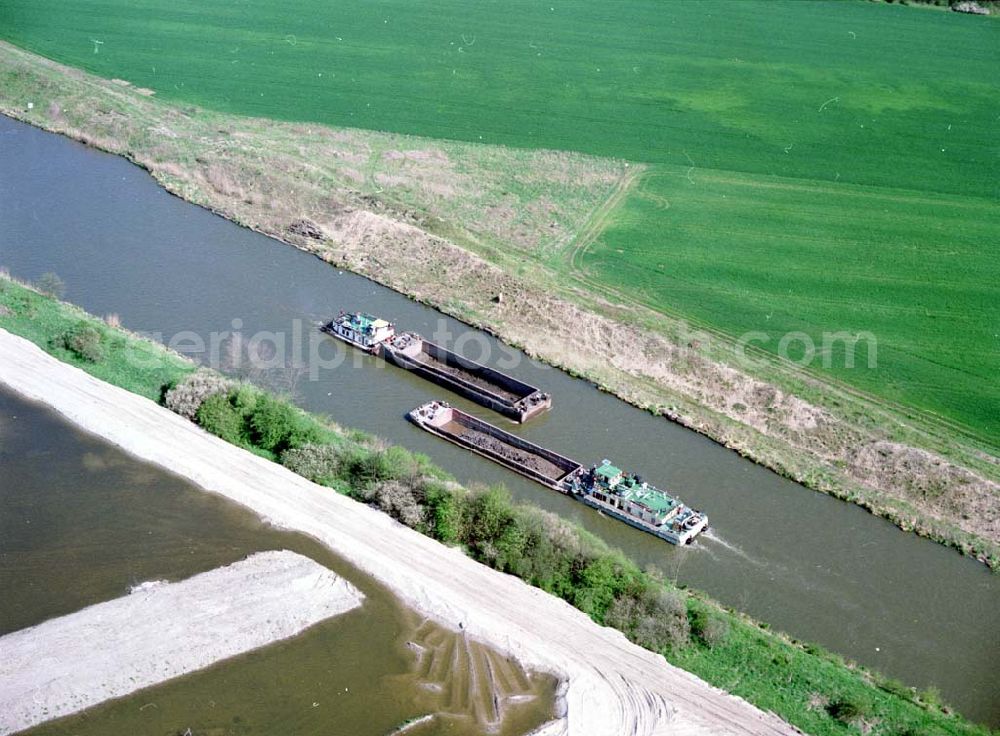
[(249, 417), (536, 546)]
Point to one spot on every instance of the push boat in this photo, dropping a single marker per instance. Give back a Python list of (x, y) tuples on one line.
[(628, 498), (363, 331), (603, 487), (408, 350)]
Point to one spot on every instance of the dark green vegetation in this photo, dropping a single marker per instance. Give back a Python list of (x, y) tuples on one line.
[(729, 83), (815, 690), (876, 119)]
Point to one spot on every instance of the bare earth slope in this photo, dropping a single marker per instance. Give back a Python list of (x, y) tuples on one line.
[(108, 650), (613, 687)]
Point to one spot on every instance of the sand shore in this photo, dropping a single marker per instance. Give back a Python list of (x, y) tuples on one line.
[(613, 687), (160, 631)]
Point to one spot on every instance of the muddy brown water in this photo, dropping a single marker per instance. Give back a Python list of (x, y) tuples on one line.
[(820, 569), (81, 522)]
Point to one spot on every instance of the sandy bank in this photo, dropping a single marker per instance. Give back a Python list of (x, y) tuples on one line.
[(614, 688), (158, 632)]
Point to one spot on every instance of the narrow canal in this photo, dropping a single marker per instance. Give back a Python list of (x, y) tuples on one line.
[(81, 522), (817, 568)]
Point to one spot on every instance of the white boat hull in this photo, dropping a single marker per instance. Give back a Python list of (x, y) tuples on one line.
[(685, 536)]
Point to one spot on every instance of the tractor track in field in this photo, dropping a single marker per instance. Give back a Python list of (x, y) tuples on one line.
[(598, 221), (579, 273)]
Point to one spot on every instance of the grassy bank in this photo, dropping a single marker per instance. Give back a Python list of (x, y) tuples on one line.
[(394, 207), (105, 351), (814, 690)]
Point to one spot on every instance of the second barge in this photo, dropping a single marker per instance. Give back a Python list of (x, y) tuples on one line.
[(604, 487), (544, 466), (484, 385)]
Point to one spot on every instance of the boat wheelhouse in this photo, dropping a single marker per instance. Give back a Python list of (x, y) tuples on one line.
[(630, 499), (362, 330)]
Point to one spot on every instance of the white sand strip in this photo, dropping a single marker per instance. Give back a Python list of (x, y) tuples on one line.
[(161, 631), (613, 687)]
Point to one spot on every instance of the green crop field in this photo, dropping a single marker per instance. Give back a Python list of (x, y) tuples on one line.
[(817, 166), (765, 257)]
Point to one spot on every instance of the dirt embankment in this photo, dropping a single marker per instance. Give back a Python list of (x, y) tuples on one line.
[(307, 185), (612, 687), (161, 631)]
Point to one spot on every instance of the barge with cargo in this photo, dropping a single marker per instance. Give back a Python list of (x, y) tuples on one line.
[(484, 385), (408, 350), (541, 465), (603, 487)]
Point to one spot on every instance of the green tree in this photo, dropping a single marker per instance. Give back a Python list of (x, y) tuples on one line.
[(596, 585), (491, 514), (276, 425), (445, 514), (85, 341), (218, 416)]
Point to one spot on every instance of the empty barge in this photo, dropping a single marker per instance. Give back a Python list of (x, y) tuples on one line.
[(604, 487), (484, 385)]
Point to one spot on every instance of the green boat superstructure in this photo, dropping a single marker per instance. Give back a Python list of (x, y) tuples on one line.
[(360, 329), (627, 497)]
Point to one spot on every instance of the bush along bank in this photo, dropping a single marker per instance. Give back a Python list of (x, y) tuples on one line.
[(817, 691)]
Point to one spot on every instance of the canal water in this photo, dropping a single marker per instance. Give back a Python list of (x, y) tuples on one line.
[(815, 567), (81, 522)]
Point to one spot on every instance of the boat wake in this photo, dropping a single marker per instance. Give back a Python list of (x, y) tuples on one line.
[(703, 549), (711, 537)]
